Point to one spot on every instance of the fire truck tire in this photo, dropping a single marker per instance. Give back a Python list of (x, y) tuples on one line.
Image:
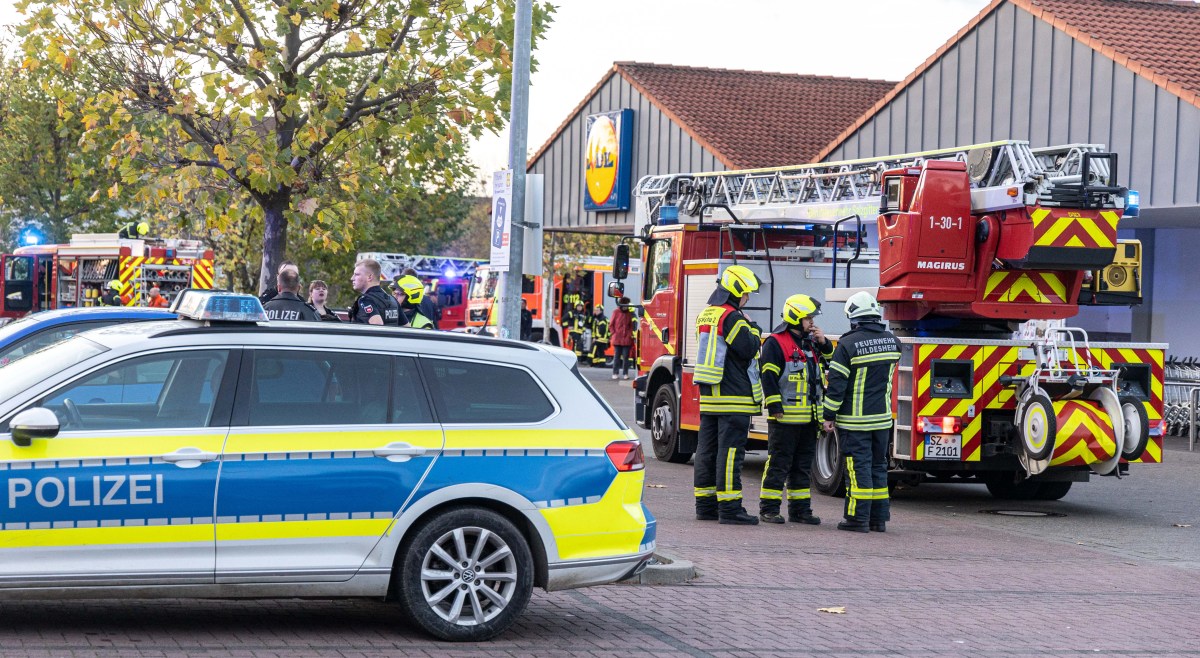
[(1005, 485), (828, 471), (1038, 426), (664, 426), (1052, 490), (1137, 428)]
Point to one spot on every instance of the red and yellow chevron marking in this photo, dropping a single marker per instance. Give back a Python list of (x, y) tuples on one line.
[(1026, 288), (1074, 228), (202, 274), (991, 361), (1085, 434), (1110, 357)]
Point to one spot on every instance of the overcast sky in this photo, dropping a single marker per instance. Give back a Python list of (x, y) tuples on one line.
[(878, 39)]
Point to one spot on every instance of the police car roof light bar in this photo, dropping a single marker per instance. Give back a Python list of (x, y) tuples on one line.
[(218, 306)]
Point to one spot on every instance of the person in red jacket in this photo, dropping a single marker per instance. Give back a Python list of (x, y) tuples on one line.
[(622, 338)]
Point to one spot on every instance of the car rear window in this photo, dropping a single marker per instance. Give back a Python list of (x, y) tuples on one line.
[(484, 393)]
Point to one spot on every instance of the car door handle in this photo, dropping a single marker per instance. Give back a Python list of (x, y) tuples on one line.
[(189, 457), (399, 452)]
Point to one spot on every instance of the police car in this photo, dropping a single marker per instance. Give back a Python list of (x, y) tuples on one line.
[(224, 456), (35, 331)]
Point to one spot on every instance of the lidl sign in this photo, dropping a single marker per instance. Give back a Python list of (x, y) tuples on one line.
[(608, 161)]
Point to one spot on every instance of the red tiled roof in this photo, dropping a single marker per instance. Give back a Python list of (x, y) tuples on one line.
[(749, 119), (1156, 39)]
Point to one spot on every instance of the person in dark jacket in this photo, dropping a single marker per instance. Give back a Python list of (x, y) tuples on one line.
[(577, 321), (271, 291), (287, 305), (318, 294), (622, 337), (601, 335), (526, 321), (858, 402), (374, 306), (730, 393), (429, 306), (790, 364)]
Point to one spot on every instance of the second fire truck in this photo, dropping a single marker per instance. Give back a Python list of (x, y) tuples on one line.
[(978, 255)]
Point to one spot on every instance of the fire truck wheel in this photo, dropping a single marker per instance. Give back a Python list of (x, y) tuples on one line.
[(1008, 485), (1038, 426), (1053, 490), (828, 472), (664, 426), (1137, 428)]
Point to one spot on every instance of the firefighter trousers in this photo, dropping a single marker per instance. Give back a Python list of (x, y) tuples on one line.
[(598, 350), (864, 454), (576, 342), (720, 450), (790, 452)]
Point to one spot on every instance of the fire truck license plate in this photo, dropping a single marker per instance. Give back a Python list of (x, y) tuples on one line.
[(943, 446)]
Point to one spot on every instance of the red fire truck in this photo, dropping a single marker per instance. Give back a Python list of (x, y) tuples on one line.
[(445, 277), (42, 277), (978, 255)]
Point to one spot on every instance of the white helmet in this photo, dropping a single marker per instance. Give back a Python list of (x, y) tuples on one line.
[(862, 304)]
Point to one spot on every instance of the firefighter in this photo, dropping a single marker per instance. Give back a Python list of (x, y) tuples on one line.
[(410, 292), (600, 336), (791, 378), (577, 323), (730, 393), (858, 402), (112, 296), (374, 306)]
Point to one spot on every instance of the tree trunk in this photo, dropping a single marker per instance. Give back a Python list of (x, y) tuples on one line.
[(274, 241)]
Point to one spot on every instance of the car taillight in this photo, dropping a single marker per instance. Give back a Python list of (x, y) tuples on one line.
[(941, 424), (626, 455)]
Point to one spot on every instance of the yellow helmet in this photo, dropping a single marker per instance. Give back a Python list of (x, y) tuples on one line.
[(412, 288), (798, 307), (114, 285), (739, 280)]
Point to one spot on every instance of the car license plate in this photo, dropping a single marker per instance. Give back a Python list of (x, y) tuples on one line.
[(943, 446)]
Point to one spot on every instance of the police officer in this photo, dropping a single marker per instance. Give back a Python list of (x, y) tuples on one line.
[(600, 336), (287, 305), (269, 294), (112, 296), (730, 393), (373, 306), (791, 378), (410, 293), (859, 402)]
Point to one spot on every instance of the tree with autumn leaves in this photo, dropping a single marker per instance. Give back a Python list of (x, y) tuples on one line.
[(313, 115)]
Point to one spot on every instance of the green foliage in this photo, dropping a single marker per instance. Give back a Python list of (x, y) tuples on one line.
[(45, 178), (320, 115)]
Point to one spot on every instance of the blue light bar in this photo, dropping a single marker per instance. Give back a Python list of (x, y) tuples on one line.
[(1133, 203), (218, 306)]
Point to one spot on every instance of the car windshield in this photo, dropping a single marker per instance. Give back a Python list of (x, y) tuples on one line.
[(19, 375), (484, 284)]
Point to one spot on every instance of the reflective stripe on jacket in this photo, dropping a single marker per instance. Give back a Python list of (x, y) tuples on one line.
[(859, 394)]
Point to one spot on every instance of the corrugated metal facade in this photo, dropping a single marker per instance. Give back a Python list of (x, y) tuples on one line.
[(1017, 77), (660, 146)]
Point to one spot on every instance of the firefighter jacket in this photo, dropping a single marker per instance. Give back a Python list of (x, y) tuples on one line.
[(411, 316), (859, 394), (600, 332), (727, 367), (791, 376), (579, 322)]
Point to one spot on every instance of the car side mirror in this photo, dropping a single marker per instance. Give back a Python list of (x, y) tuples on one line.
[(616, 289), (35, 423), (620, 268)]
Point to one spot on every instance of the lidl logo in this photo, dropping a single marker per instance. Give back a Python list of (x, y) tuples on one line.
[(607, 156)]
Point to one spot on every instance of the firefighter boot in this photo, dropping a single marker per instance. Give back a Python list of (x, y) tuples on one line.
[(878, 526), (732, 513), (768, 511), (706, 508), (799, 513), (853, 525)]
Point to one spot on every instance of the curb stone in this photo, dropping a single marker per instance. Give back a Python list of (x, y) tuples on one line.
[(664, 569)]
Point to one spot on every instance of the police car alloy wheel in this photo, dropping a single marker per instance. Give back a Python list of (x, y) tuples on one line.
[(466, 575)]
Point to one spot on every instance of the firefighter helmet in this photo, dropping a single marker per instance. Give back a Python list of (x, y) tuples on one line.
[(862, 304), (739, 280), (412, 288), (599, 307), (798, 307), (114, 285)]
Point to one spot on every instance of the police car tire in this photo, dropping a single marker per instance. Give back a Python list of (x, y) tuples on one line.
[(473, 522), (828, 469), (1136, 420), (665, 440)]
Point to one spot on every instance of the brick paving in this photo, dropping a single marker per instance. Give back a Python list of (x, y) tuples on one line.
[(1113, 577)]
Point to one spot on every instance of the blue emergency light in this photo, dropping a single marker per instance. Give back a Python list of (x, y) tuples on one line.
[(218, 306), (1133, 203), (668, 215)]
